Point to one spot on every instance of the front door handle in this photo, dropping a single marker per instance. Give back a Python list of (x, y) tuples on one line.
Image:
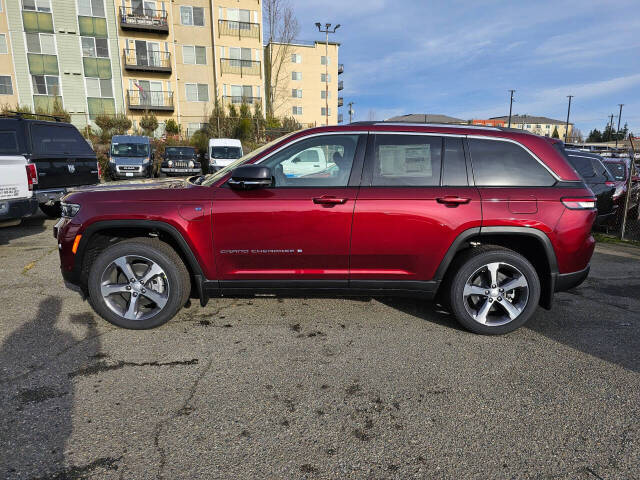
[(453, 200), (329, 200)]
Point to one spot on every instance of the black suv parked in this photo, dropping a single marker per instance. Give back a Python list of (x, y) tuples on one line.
[(598, 178), (62, 157), (180, 160)]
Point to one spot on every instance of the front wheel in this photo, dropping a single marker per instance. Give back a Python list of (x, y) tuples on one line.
[(493, 290), (139, 284)]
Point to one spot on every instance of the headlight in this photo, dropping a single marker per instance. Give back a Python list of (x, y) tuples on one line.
[(69, 209), (145, 160), (191, 164), (170, 163), (112, 160)]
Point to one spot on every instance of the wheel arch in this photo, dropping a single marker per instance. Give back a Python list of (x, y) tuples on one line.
[(531, 243), (101, 234)]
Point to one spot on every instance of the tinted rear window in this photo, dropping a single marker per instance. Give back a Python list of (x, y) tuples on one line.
[(58, 140), (500, 163), (454, 168), (8, 142), (617, 170)]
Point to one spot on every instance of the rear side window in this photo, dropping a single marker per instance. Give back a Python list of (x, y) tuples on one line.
[(505, 164), (58, 140), (454, 167), (8, 142), (407, 160), (602, 173), (583, 165)]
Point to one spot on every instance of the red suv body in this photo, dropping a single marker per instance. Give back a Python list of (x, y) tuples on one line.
[(366, 209)]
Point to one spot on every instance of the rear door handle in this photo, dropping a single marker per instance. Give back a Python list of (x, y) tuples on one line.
[(329, 200), (453, 200)]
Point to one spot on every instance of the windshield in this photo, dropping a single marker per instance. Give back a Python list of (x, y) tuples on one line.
[(129, 150), (180, 152), (226, 152), (617, 170), (214, 177)]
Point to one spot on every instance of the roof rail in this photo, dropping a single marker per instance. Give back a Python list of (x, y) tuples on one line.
[(57, 118), (433, 124)]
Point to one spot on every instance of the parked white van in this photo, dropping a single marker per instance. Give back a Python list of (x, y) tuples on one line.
[(223, 151)]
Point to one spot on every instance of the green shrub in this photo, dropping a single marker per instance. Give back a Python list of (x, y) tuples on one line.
[(149, 124), (171, 127)]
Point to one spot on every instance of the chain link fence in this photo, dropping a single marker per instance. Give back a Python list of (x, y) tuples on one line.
[(626, 224)]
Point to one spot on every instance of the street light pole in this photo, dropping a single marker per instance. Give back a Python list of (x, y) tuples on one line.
[(510, 108), (618, 130), (566, 127), (327, 30)]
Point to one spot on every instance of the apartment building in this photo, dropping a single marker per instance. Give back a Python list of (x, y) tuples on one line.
[(64, 51), (539, 125), (171, 57), (301, 73)]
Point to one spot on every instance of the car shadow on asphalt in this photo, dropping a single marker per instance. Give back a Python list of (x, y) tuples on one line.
[(29, 226), (37, 393), (428, 311)]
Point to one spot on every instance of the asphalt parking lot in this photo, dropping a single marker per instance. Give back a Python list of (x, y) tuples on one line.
[(315, 388)]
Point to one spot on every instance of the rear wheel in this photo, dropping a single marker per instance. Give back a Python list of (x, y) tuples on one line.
[(139, 284), (51, 210), (493, 290)]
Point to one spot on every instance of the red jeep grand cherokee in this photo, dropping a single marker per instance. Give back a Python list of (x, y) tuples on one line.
[(491, 221)]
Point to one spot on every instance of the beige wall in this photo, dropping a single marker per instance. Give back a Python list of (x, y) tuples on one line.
[(543, 128), (6, 59), (311, 84)]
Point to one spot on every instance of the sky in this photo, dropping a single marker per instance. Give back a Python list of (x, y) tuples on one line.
[(460, 58)]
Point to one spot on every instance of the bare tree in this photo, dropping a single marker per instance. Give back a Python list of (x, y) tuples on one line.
[(371, 115), (281, 30), (576, 136)]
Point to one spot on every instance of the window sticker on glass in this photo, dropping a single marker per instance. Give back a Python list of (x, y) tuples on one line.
[(401, 160)]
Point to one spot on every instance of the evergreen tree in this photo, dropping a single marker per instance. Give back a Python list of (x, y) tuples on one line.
[(594, 136), (555, 133)]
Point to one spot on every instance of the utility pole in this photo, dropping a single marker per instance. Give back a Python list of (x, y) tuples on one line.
[(566, 127), (350, 111), (618, 130), (327, 31), (510, 108)]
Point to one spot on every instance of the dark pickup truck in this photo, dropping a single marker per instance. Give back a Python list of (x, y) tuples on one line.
[(61, 155)]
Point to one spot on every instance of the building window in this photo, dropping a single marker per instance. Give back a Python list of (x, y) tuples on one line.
[(323, 111), (325, 78), (296, 110), (45, 85), (193, 16), (296, 58), (41, 43), (3, 44), (325, 60), (99, 87), (193, 55), (323, 94), (91, 8), (5, 85), (197, 92), (239, 15), (194, 127), (296, 75), (95, 47), (37, 5), (296, 93)]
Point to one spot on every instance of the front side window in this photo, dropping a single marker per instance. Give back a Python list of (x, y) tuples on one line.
[(498, 163), (406, 160), (324, 161)]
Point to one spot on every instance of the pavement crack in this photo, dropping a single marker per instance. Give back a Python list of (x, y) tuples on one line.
[(105, 367), (79, 472)]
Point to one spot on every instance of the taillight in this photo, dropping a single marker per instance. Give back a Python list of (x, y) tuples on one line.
[(585, 203), (610, 184), (32, 175)]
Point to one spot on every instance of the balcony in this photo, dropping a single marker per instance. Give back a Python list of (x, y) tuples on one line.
[(233, 28), (240, 67), (160, 101), (144, 20), (340, 101), (147, 61), (239, 100), (340, 68), (340, 85)]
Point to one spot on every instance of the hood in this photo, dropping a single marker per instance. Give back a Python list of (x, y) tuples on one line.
[(129, 160)]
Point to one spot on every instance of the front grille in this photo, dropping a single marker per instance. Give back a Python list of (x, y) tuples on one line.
[(181, 164)]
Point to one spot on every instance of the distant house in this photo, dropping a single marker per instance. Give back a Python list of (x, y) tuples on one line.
[(426, 118), (538, 125)]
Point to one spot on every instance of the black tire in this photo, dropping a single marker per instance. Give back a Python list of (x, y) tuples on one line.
[(164, 256), (52, 211), (471, 261)]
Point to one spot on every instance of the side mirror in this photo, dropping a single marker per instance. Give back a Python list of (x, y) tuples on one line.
[(248, 177)]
